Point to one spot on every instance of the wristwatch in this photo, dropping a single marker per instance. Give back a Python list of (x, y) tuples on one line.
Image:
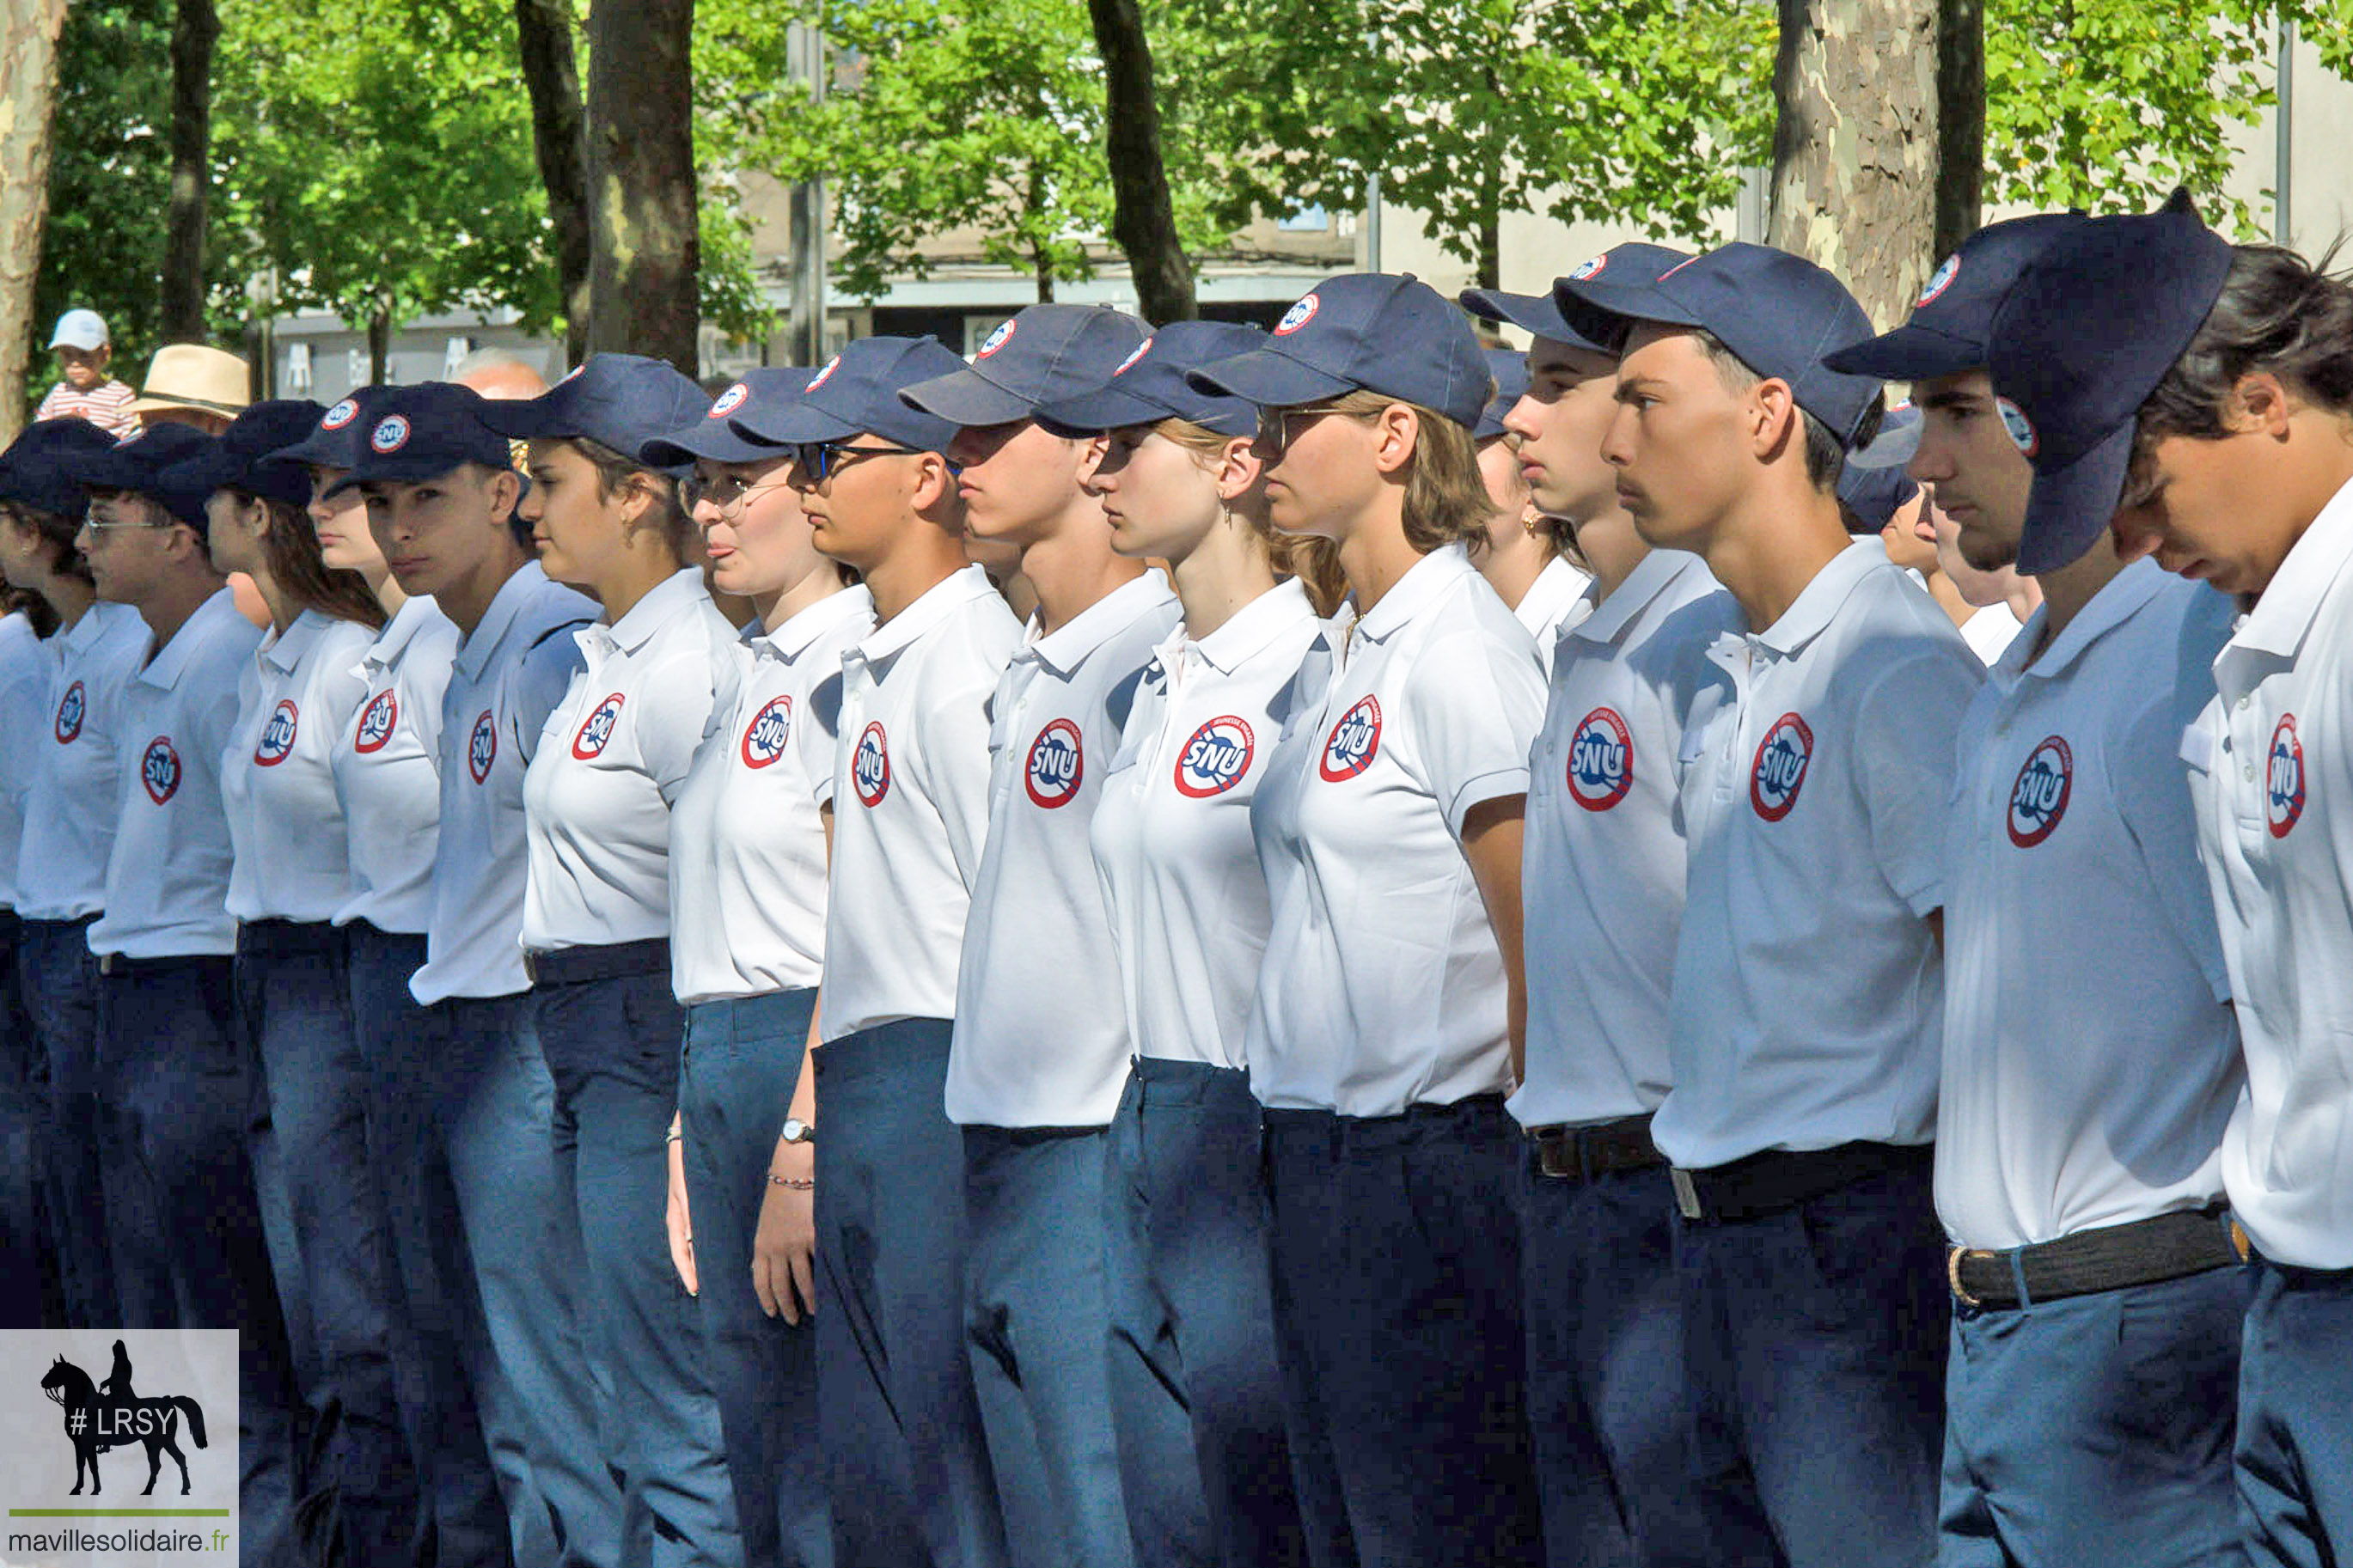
[(799, 1131)]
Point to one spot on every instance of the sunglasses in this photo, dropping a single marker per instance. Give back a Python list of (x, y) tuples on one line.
[(823, 459)]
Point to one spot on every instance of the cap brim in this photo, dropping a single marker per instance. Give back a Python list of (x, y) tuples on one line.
[(964, 398), (1891, 448), (710, 440), (529, 419), (1598, 310), (1105, 408), (205, 472), (1534, 313), (1268, 379), (796, 424), (108, 470), (395, 471), (319, 450), (1910, 352), (2069, 507)]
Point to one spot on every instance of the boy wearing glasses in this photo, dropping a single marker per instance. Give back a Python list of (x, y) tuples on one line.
[(176, 1097), (909, 1466)]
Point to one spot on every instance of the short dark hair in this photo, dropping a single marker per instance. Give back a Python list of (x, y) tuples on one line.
[(1825, 453), (2277, 312), (58, 532)]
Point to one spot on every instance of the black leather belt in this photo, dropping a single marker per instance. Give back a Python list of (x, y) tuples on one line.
[(605, 961), (1581, 1154), (1780, 1179), (2144, 1252), (121, 966)]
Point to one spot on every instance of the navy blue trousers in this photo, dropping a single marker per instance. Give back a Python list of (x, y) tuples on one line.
[(1816, 1337), (1397, 1301), (2097, 1429), (610, 1027), (736, 1076), (438, 1342), (2294, 1459), (538, 1393), (28, 1282), (1610, 1402), (294, 997), (60, 992), (1192, 1329), (906, 1459), (187, 1221)]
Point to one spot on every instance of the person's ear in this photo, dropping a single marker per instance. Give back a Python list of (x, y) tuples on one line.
[(934, 483), (505, 491), (1774, 418), (2260, 402), (1238, 467), (1397, 432)]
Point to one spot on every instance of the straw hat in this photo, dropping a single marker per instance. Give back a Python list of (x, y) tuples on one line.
[(190, 375)]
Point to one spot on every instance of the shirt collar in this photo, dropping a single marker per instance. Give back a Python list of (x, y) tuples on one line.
[(807, 625), (1818, 602), (282, 651), (1065, 648), (399, 632), (1557, 587), (2114, 605), (1248, 631), (2283, 615), (95, 622), (164, 670), (474, 653), (1424, 581), (669, 598), (1650, 578), (933, 605)]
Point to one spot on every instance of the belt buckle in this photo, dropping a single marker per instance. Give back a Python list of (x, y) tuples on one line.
[(1686, 1194), (109, 962), (531, 965), (1953, 1276), (1552, 1144)]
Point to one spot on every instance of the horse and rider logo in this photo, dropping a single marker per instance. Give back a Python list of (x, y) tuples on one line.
[(99, 1416)]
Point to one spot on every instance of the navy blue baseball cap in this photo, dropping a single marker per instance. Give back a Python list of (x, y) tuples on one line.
[(1540, 313), (333, 442), (36, 469), (1897, 438), (1946, 332), (142, 465), (1151, 386), (1777, 313), (2100, 317), (1043, 355), (1510, 369), (1874, 495), (422, 432), (860, 391), (713, 436), (619, 401), (245, 458), (1385, 333)]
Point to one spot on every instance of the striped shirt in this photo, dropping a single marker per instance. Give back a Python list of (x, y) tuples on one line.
[(108, 407)]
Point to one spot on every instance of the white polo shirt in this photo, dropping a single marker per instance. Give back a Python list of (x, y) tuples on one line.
[(1382, 986), (29, 667), (75, 800), (1991, 631), (1602, 872), (167, 874), (746, 845), (388, 769), (1188, 906), (2086, 1094), (1554, 602), (1808, 994), (508, 677), (278, 777), (1041, 1032), (2272, 777), (611, 759), (910, 803)]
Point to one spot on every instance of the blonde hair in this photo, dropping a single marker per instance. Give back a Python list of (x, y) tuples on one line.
[(1446, 498), (1314, 562)]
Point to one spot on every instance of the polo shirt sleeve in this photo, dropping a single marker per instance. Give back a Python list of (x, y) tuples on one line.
[(1474, 701), (546, 674), (1907, 762), (952, 758), (674, 711)]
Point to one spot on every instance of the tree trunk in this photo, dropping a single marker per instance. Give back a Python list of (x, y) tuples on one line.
[(379, 336), (195, 29), (28, 83), (1042, 259), (544, 30), (1855, 144), (1960, 120), (647, 253), (1144, 220)]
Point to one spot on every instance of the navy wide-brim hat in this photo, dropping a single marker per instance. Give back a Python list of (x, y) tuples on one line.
[(140, 465), (246, 456), (1151, 386), (619, 401), (36, 469), (1383, 332), (1540, 314), (1951, 321), (1045, 354), (713, 436), (2096, 323), (1778, 313), (857, 392)]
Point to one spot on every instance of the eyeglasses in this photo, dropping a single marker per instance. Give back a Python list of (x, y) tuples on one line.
[(101, 517), (823, 459), (727, 492), (1274, 424)]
